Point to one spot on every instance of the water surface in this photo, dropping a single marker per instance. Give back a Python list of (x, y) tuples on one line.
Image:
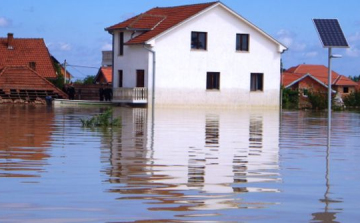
[(178, 165)]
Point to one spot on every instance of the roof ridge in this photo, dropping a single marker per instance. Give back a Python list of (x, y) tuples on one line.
[(23, 38), (204, 3)]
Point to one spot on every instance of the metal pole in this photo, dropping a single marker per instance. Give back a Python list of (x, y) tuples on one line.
[(65, 72), (329, 99)]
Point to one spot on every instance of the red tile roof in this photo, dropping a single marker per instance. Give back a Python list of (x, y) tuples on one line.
[(158, 20), (24, 78), (107, 73), (289, 78), (23, 52), (321, 73)]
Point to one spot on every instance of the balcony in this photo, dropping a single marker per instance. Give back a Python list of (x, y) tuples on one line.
[(137, 95)]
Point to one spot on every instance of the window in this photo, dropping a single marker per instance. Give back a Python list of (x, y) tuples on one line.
[(120, 75), (256, 82), (213, 81), (242, 42), (346, 90), (198, 40), (32, 65), (140, 78), (305, 92), (121, 44)]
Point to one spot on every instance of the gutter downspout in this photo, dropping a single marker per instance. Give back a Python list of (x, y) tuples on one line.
[(113, 61), (153, 99), (153, 75)]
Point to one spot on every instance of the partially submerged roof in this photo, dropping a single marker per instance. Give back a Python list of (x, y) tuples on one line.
[(320, 72), (289, 79), (22, 52), (24, 78), (160, 20)]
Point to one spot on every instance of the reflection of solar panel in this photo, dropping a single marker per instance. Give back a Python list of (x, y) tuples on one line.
[(330, 33)]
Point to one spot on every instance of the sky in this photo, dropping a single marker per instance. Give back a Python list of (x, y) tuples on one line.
[(74, 29)]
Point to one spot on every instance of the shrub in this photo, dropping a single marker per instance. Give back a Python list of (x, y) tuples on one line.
[(353, 99), (101, 120), (290, 98), (318, 100)]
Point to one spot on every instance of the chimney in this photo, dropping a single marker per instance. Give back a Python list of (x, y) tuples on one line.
[(10, 41)]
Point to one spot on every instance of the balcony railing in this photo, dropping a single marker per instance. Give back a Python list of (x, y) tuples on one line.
[(130, 95)]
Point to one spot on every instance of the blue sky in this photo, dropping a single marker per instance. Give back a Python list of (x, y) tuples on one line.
[(74, 29)]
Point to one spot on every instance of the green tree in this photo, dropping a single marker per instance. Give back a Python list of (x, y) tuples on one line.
[(59, 81), (89, 79), (355, 78)]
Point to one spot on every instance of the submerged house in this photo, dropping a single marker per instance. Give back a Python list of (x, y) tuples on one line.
[(25, 70), (298, 78), (195, 55)]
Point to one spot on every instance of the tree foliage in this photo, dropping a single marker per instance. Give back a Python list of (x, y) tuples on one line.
[(355, 78), (290, 98), (318, 100), (59, 81), (353, 99)]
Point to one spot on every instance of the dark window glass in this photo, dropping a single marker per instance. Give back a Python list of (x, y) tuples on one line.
[(346, 90), (213, 80), (257, 82), (198, 40), (121, 44), (32, 65), (120, 73), (242, 42), (140, 78)]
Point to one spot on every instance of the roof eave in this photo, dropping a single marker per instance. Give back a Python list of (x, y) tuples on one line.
[(183, 22), (111, 30), (282, 48)]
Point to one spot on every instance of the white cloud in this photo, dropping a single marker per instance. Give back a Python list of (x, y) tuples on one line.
[(288, 38), (4, 22), (59, 46), (311, 54), (106, 46), (353, 51), (355, 37), (65, 46)]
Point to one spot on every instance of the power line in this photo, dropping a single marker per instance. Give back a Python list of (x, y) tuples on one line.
[(70, 65)]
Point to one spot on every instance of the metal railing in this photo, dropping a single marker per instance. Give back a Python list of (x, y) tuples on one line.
[(133, 95)]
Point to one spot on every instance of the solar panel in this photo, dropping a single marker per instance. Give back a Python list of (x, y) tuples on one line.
[(330, 33)]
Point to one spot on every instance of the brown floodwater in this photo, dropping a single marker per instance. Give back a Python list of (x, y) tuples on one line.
[(178, 165)]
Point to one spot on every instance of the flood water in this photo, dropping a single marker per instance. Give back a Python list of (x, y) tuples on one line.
[(178, 165)]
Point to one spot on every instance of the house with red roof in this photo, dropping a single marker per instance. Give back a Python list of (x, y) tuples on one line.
[(25, 70), (104, 75), (299, 77), (195, 55)]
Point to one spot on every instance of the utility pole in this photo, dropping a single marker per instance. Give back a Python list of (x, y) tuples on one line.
[(65, 72)]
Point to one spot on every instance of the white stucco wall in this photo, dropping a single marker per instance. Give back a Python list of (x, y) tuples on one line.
[(181, 71), (133, 58)]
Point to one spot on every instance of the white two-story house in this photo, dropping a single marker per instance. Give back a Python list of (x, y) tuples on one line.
[(195, 55)]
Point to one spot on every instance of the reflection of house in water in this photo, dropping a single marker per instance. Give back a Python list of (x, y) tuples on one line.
[(212, 154), (25, 132), (128, 151)]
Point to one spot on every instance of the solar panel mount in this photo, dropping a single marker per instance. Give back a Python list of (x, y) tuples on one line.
[(331, 34)]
